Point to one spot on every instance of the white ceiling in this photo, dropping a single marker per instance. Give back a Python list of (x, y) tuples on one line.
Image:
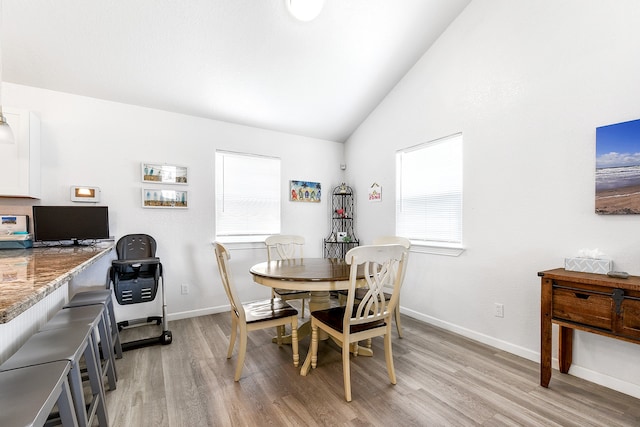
[(242, 61)]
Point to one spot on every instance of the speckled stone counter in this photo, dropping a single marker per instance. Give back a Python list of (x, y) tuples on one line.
[(28, 275)]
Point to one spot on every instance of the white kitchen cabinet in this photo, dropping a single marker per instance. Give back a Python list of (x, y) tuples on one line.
[(20, 161)]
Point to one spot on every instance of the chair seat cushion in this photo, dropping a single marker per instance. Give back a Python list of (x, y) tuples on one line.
[(275, 308), (333, 317), (288, 292)]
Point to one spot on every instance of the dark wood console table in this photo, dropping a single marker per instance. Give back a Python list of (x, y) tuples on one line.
[(588, 302)]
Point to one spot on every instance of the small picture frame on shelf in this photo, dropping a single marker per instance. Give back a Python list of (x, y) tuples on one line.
[(163, 198), (341, 236), (164, 174)]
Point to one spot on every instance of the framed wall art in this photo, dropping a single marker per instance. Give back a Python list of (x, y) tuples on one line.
[(163, 198), (618, 168), (164, 174), (304, 191), (375, 192)]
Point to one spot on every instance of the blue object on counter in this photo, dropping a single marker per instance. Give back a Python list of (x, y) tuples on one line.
[(16, 244)]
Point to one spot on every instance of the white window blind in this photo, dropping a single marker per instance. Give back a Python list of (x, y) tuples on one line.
[(247, 194), (429, 192)]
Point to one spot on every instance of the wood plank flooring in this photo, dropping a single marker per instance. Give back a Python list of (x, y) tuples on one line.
[(443, 380)]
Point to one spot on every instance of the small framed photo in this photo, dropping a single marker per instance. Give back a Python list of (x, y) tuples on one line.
[(375, 192), (341, 236), (163, 198), (164, 174)]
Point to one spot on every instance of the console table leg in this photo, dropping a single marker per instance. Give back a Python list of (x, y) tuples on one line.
[(545, 332), (565, 348)]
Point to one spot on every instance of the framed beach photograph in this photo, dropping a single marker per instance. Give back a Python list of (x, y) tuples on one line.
[(163, 198), (163, 173), (618, 168), (304, 191)]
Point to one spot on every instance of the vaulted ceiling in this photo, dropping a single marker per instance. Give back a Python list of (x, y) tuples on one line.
[(241, 61)]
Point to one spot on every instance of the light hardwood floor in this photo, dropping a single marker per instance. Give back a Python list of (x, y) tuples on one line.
[(443, 380)]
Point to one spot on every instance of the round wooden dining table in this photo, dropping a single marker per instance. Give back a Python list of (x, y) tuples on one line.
[(319, 276)]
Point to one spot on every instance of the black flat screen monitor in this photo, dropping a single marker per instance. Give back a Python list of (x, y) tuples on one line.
[(70, 223)]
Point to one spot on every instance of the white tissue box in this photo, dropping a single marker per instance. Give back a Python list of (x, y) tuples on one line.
[(588, 265)]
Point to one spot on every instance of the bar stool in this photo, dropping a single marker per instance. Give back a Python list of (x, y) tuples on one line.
[(67, 344), (103, 297), (94, 316), (27, 395)]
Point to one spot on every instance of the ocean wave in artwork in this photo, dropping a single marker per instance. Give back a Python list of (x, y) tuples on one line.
[(618, 190), (617, 177)]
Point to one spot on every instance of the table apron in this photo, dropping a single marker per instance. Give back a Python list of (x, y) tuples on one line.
[(305, 285)]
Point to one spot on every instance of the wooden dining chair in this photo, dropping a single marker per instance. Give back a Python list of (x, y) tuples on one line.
[(253, 316), (384, 266), (282, 246), (383, 240)]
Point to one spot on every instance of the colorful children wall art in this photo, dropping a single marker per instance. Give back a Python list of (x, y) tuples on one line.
[(304, 191)]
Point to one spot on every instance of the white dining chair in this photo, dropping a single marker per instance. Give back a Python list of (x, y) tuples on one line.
[(384, 266), (255, 315), (383, 240), (283, 246)]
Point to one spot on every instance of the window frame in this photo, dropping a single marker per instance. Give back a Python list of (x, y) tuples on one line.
[(452, 247), (252, 237)]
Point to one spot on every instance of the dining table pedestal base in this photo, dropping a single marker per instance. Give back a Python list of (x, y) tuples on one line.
[(321, 300)]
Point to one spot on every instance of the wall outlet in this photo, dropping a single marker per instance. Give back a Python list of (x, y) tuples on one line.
[(184, 290), (499, 310)]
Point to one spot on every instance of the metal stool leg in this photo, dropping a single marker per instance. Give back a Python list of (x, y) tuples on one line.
[(115, 333), (95, 379), (65, 406), (107, 352)]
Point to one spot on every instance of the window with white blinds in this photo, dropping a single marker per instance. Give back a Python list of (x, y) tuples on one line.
[(429, 192), (247, 194)]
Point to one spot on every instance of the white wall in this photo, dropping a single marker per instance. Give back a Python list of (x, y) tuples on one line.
[(527, 83), (87, 141)]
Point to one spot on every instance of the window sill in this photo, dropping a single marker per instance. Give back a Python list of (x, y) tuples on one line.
[(436, 249), (242, 242)]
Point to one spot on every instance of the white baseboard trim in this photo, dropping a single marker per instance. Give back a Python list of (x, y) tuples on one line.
[(601, 379), (575, 370), (197, 313), (485, 339)]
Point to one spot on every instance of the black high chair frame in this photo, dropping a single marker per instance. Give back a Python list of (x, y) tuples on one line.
[(136, 276)]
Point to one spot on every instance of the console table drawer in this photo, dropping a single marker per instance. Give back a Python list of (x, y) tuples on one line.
[(584, 307), (629, 325)]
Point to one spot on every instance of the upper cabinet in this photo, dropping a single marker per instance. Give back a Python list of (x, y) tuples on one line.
[(20, 161)]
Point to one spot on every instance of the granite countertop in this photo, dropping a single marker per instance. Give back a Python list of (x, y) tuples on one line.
[(29, 275)]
